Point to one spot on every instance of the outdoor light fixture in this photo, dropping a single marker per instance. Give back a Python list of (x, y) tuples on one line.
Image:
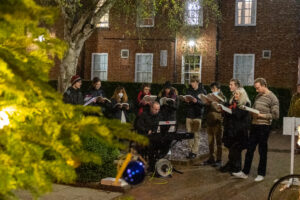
[(191, 43)]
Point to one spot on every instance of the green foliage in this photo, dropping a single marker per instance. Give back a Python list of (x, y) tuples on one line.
[(41, 138), (92, 172)]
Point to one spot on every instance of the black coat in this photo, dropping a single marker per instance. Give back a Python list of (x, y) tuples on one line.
[(195, 110), (145, 122), (73, 96), (236, 127), (117, 112), (168, 110), (105, 107)]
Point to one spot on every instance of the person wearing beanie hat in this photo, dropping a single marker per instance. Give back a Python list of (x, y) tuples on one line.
[(73, 94), (168, 96)]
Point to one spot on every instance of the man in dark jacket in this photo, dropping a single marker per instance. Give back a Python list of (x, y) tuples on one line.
[(147, 124), (195, 110), (73, 94)]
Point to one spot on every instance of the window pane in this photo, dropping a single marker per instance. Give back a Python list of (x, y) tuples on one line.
[(244, 69), (144, 68)]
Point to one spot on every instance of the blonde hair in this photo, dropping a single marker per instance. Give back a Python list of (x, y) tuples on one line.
[(244, 99), (117, 97)]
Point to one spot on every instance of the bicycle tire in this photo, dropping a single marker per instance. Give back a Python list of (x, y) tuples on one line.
[(287, 193)]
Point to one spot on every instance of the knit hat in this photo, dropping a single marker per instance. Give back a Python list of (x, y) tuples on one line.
[(74, 79)]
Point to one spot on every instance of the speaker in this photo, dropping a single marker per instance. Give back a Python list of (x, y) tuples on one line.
[(163, 167)]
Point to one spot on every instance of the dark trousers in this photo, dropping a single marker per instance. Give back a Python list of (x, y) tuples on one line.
[(259, 135), (235, 157)]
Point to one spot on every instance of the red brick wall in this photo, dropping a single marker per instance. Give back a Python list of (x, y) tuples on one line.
[(277, 29)]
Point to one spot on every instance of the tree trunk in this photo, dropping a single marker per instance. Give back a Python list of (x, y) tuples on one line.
[(68, 65)]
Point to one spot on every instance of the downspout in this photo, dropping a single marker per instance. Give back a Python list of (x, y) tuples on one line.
[(175, 68), (217, 47)]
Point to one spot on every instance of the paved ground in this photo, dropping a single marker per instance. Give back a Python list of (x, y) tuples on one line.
[(197, 182), (206, 183)]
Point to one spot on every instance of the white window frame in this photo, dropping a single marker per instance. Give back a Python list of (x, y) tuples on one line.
[(163, 58), (200, 13), (254, 6), (140, 20), (102, 23), (253, 65), (136, 72), (124, 50), (182, 67), (266, 51), (92, 67)]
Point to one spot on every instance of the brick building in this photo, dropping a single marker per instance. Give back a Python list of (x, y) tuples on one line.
[(255, 39)]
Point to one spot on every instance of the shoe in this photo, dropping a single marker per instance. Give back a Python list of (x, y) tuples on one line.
[(191, 156), (240, 175), (218, 163), (225, 168), (208, 162), (259, 178)]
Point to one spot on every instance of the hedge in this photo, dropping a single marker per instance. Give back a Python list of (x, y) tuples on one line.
[(284, 95)]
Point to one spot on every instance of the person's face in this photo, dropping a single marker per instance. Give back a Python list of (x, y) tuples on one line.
[(215, 89), (237, 96), (146, 90), (259, 88), (298, 88), (194, 84), (167, 90), (155, 109), (77, 85), (232, 86), (97, 85)]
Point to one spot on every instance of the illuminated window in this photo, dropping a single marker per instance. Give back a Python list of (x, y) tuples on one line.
[(245, 13), (194, 13)]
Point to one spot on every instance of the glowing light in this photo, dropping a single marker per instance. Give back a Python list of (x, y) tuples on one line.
[(191, 43), (4, 120), (298, 142)]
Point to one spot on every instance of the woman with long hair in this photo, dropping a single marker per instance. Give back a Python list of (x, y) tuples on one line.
[(168, 105), (236, 126), (120, 106)]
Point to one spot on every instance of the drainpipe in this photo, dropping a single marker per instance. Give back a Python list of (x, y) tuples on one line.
[(175, 68), (217, 47)]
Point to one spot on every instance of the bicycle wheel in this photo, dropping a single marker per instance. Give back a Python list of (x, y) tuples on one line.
[(286, 188)]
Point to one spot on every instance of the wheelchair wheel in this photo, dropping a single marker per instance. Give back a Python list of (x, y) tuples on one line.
[(286, 188)]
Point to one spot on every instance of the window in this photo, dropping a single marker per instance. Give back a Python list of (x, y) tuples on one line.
[(245, 13), (163, 58), (99, 65), (104, 21), (145, 14), (191, 67), (266, 54), (124, 53), (194, 13), (143, 67), (243, 68)]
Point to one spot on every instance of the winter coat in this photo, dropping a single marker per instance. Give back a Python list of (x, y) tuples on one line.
[(168, 111), (116, 112), (73, 96), (145, 122), (236, 126), (195, 110), (141, 106), (105, 107), (214, 117)]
